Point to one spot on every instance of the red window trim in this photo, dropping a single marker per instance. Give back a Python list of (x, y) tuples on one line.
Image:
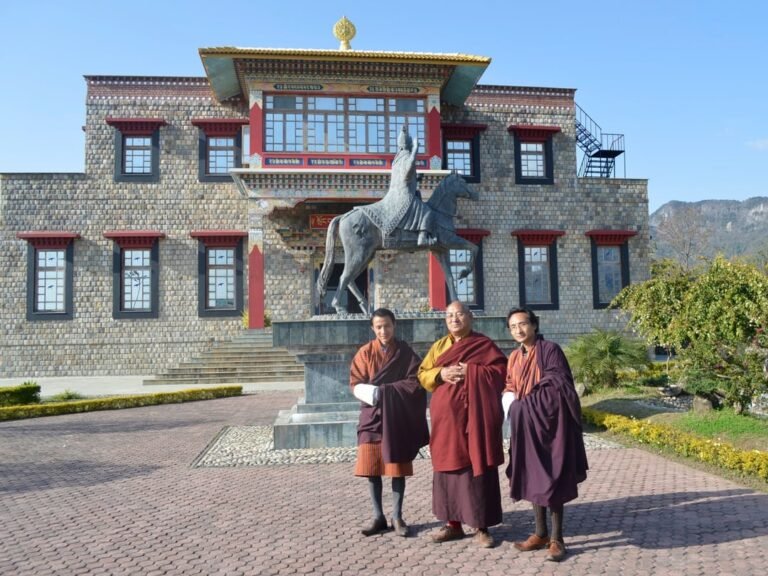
[(610, 237), (48, 239), (220, 126), (462, 131), (134, 238), (531, 237), (533, 132), (219, 238), (474, 235), (136, 126)]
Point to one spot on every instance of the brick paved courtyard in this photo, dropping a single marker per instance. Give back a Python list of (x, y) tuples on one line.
[(117, 493)]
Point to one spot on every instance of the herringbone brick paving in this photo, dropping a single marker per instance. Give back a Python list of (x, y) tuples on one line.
[(113, 493)]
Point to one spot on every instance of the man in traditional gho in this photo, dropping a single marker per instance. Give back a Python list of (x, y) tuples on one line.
[(547, 459), (393, 421), (465, 372)]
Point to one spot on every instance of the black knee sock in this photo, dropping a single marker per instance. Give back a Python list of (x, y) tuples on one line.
[(557, 522), (540, 514), (375, 487), (398, 494)]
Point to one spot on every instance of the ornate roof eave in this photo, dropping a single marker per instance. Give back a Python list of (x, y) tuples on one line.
[(287, 188), (221, 66)]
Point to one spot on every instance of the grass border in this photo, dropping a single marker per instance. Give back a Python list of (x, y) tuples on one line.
[(116, 402)]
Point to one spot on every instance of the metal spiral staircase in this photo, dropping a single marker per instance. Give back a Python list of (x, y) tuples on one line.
[(599, 149)]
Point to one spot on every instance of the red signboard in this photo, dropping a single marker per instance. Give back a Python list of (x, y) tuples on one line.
[(320, 221)]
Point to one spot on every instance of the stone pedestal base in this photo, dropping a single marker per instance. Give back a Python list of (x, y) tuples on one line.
[(327, 416)]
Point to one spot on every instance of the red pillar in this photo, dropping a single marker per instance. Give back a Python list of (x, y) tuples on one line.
[(257, 130), (434, 143), (255, 288), (437, 297)]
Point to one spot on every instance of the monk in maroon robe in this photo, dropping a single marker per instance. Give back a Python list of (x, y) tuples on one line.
[(393, 421), (547, 459), (465, 372)]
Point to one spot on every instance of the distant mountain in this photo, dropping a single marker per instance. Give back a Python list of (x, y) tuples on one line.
[(710, 227)]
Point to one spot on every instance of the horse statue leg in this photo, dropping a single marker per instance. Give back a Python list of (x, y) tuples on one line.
[(360, 238), (330, 247), (442, 258)]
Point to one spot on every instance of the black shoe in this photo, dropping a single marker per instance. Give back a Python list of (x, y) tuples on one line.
[(377, 527), (400, 527)]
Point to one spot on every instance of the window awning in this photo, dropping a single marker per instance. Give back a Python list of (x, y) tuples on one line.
[(48, 238), (462, 130), (134, 238), (220, 238), (474, 235), (220, 126), (136, 126), (530, 237), (610, 237), (532, 132)]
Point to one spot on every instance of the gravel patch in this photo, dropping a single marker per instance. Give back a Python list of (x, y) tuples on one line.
[(243, 446)]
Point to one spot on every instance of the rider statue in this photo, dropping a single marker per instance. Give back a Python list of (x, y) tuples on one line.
[(402, 206)]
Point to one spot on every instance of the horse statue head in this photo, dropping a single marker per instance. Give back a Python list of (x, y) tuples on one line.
[(443, 199)]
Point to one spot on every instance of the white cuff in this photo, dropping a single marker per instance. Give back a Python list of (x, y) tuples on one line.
[(506, 401), (367, 393)]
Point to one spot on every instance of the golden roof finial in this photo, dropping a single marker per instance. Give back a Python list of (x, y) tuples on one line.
[(344, 31)]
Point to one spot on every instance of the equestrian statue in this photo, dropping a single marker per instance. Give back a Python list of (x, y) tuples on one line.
[(400, 221)]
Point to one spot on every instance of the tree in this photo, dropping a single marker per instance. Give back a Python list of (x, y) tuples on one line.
[(684, 234), (596, 358), (716, 318), (655, 305)]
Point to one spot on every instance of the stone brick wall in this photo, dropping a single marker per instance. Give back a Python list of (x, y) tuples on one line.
[(92, 203)]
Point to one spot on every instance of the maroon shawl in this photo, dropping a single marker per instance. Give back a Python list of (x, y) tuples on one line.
[(399, 419), (467, 417), (547, 459)]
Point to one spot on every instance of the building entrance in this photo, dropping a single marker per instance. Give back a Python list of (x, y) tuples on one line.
[(347, 300)]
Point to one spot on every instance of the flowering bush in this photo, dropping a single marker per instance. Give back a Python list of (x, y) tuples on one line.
[(752, 462)]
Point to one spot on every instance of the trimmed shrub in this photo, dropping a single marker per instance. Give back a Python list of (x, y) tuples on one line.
[(26, 393), (597, 357), (117, 402)]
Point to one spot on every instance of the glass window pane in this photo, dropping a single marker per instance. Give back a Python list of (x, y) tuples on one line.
[(137, 280), (465, 287), (537, 275), (50, 279), (220, 273), (609, 280)]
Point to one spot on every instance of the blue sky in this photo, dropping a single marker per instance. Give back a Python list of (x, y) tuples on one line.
[(685, 81)]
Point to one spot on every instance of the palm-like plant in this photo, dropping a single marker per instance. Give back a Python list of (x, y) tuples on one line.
[(595, 358)]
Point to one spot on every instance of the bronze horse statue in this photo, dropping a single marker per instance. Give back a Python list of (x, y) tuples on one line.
[(361, 237)]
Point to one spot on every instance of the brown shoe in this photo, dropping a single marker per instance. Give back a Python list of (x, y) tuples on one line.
[(447, 533), (377, 527), (483, 539), (532, 543), (556, 551), (400, 527)]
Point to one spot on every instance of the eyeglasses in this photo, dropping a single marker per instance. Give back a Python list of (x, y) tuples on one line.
[(450, 315), (519, 325)]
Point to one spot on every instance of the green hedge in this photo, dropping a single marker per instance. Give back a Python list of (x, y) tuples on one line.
[(27, 393), (751, 462), (117, 402)]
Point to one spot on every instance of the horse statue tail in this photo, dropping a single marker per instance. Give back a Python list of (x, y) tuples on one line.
[(330, 246)]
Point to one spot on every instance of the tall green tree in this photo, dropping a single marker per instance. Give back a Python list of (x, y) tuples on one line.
[(716, 318), (655, 306)]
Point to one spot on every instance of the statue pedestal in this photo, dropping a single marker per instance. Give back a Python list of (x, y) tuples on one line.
[(327, 415)]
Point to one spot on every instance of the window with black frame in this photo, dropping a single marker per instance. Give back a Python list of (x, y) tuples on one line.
[(341, 124), (537, 268)]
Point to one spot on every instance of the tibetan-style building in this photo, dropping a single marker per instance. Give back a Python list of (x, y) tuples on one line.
[(204, 199)]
